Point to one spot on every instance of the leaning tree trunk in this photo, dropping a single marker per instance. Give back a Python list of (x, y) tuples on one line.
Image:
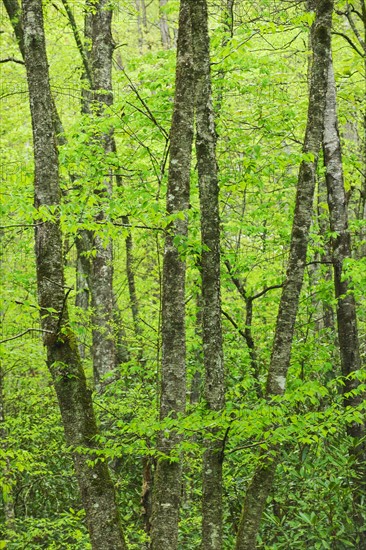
[(167, 481), (346, 306), (262, 480), (96, 487), (214, 392)]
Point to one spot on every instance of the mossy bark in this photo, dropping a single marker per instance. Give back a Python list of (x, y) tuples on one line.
[(167, 481), (101, 264), (349, 346), (214, 392), (96, 487)]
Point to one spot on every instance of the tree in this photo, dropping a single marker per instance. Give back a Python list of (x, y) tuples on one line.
[(262, 480), (346, 306), (163, 24), (214, 390), (101, 272), (167, 482), (256, 70), (63, 359)]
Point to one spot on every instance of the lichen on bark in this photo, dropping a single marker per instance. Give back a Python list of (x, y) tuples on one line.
[(74, 398)]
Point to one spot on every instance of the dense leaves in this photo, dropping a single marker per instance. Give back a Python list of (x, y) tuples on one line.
[(260, 93)]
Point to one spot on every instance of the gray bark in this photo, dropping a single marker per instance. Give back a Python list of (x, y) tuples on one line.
[(346, 306), (261, 483), (96, 487), (214, 392), (164, 27), (167, 482), (95, 275), (101, 265), (327, 320)]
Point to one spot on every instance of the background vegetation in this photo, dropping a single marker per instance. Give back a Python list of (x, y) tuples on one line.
[(260, 86)]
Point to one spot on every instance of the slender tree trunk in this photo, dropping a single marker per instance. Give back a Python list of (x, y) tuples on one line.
[(83, 238), (214, 391), (228, 22), (196, 383), (7, 481), (96, 487), (262, 481), (82, 297), (95, 274), (167, 482), (101, 272), (141, 22), (14, 12), (163, 25), (346, 306), (327, 320)]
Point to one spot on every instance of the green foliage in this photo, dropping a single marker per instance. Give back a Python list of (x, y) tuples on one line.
[(260, 97)]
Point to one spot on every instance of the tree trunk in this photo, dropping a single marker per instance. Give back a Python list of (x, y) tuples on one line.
[(141, 22), (14, 12), (346, 306), (7, 477), (167, 482), (82, 298), (96, 487), (101, 272), (163, 25), (214, 392), (261, 483)]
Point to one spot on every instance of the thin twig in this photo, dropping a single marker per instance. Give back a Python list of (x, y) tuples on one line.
[(132, 226), (250, 446), (13, 60), (350, 42), (16, 225), (235, 325), (25, 332)]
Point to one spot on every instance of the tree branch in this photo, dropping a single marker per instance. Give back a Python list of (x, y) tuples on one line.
[(234, 323), (349, 42), (25, 332), (265, 290), (13, 60)]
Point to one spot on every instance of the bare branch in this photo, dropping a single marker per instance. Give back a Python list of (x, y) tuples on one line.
[(236, 281), (132, 226), (149, 113), (24, 225), (249, 446)]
